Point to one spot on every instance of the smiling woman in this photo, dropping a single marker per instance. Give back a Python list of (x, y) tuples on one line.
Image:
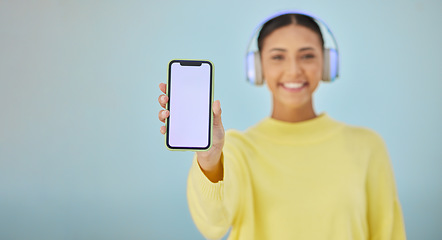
[(295, 174), (292, 62), (291, 48)]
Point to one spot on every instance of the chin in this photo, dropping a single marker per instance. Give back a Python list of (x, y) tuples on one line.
[(295, 104)]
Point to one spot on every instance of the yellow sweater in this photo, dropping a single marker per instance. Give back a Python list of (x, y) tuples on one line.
[(317, 179)]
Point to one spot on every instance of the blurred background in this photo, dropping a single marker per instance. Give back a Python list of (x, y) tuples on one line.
[(81, 154)]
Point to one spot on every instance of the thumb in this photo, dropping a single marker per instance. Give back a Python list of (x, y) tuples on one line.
[(216, 113)]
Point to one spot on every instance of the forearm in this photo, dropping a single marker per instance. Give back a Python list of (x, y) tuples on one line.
[(211, 166), (206, 203)]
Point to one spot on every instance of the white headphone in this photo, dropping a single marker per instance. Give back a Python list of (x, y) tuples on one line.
[(330, 69)]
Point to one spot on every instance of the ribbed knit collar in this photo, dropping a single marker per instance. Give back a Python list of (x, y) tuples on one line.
[(308, 131)]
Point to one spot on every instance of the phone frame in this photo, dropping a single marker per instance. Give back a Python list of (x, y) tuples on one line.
[(190, 62)]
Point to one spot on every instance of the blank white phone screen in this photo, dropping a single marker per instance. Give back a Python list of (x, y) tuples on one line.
[(189, 105)]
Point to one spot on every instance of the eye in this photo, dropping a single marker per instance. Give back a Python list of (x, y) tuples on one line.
[(308, 56), (278, 57)]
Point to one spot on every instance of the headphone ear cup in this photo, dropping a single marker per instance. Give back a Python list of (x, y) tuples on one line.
[(250, 67), (326, 66), (333, 59), (330, 67), (253, 68), (259, 79)]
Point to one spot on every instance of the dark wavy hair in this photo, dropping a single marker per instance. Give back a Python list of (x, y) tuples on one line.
[(287, 19)]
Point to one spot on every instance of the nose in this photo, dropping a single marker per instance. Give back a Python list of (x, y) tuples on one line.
[(293, 67)]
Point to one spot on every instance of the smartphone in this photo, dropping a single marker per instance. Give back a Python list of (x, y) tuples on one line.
[(190, 92)]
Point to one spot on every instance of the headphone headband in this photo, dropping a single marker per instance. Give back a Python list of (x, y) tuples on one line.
[(331, 54)]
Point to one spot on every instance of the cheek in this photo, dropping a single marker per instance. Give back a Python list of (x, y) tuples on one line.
[(314, 73), (271, 74)]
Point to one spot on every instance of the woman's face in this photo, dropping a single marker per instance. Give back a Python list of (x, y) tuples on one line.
[(292, 59)]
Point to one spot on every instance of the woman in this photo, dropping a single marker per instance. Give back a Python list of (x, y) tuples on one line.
[(296, 174)]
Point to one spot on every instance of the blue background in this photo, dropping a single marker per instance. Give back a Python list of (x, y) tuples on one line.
[(81, 154)]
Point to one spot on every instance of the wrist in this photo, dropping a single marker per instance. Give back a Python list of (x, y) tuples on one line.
[(208, 162), (212, 168)]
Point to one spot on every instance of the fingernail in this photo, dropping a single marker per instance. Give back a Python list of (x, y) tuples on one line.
[(163, 98)]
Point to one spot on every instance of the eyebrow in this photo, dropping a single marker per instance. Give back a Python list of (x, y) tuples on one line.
[(285, 50)]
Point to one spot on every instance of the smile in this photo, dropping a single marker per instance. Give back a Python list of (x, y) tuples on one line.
[(294, 86)]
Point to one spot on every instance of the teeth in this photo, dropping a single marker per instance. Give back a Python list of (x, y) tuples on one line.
[(293, 85)]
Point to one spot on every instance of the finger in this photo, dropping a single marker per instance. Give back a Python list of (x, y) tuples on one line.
[(217, 113), (163, 99), (163, 129), (162, 115), (163, 87)]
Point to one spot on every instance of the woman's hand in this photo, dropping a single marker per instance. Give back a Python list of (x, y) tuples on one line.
[(209, 161)]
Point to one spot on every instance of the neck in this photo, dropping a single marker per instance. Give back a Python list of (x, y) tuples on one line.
[(293, 114)]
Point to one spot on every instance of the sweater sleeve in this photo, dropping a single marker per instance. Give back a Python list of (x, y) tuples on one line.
[(214, 206), (384, 212)]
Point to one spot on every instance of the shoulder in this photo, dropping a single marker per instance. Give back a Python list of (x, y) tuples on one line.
[(234, 133), (240, 141), (363, 135), (245, 136), (235, 136)]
